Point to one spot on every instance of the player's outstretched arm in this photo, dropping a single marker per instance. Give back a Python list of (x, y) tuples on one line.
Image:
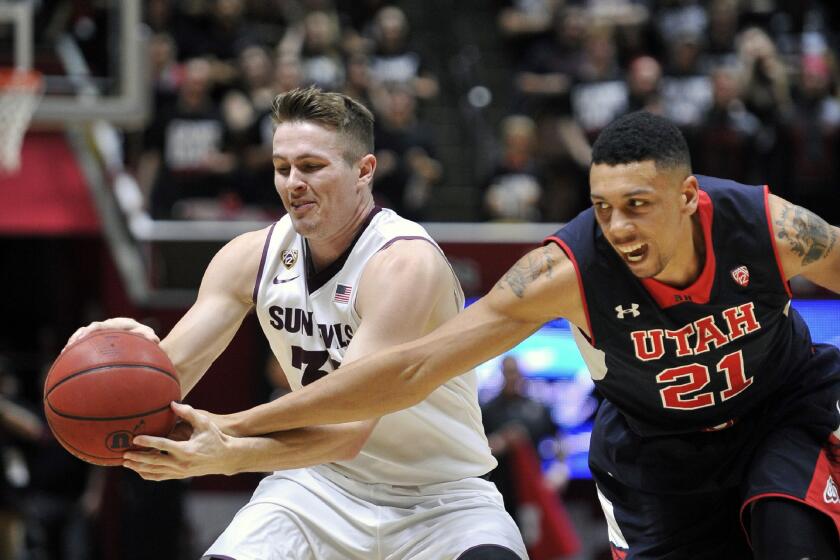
[(405, 292), (807, 244), (542, 285)]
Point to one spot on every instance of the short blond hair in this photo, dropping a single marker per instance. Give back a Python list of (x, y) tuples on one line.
[(335, 111)]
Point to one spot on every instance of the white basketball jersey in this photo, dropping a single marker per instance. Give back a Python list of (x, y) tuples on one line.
[(442, 438)]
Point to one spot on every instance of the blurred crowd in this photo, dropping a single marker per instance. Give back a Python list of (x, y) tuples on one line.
[(753, 84), (215, 67)]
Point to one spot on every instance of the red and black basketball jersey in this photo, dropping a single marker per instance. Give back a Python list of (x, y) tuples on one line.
[(695, 359)]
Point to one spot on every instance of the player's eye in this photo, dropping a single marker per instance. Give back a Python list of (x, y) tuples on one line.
[(282, 169), (601, 205), (635, 202)]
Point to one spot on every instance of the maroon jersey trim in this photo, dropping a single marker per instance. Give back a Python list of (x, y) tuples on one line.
[(262, 263)]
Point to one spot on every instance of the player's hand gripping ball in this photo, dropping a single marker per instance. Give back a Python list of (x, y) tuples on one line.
[(107, 388)]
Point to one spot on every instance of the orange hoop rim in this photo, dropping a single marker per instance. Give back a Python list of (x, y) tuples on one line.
[(15, 78)]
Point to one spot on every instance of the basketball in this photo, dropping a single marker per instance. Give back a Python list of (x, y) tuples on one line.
[(107, 388)]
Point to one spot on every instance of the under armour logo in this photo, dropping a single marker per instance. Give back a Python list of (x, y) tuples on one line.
[(620, 311), (830, 495)]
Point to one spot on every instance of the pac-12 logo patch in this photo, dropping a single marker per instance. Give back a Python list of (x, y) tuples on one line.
[(830, 494), (741, 275), (289, 258)]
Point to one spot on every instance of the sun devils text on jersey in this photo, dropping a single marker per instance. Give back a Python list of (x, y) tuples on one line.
[(309, 320)]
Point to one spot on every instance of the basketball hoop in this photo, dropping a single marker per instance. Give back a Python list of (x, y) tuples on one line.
[(20, 92)]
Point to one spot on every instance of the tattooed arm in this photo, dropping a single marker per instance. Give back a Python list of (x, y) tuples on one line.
[(541, 286), (807, 244)]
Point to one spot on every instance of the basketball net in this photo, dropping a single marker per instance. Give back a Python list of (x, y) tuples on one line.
[(20, 92)]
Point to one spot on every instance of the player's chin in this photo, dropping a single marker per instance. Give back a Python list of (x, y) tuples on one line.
[(643, 270)]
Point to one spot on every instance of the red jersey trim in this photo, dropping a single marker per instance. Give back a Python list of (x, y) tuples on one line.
[(571, 255), (773, 240), (825, 468), (700, 291)]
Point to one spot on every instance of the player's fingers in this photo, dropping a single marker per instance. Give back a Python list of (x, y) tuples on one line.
[(129, 324), (82, 332), (118, 323), (147, 457), (159, 443), (191, 415), (147, 472)]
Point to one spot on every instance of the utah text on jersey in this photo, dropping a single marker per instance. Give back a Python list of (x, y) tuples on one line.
[(695, 338)]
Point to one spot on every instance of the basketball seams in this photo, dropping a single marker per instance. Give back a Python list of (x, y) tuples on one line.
[(82, 455), (106, 418), (110, 366)]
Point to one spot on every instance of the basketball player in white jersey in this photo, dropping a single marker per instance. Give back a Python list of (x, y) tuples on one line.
[(334, 280)]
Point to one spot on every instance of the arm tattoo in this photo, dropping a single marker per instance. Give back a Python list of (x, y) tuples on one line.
[(809, 236), (526, 270)]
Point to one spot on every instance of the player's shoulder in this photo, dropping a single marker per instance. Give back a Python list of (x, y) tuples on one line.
[(389, 224), (413, 258), (249, 245), (235, 266)]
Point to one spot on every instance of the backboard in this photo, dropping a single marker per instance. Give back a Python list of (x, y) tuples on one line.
[(91, 54)]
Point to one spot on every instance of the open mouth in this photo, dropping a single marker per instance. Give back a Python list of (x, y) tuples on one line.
[(634, 253)]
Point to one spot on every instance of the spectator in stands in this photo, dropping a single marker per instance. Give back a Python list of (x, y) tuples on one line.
[(674, 19), (510, 417), (405, 152), (542, 90), (726, 136), (644, 80), (600, 93), (514, 190), (722, 31), (766, 93), (222, 34), (522, 22), (186, 149), (165, 74), (394, 60), (246, 112), (19, 427), (320, 51), (358, 84), (765, 84), (686, 88), (816, 139), (544, 75)]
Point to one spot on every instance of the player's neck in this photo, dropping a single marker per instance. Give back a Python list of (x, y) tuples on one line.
[(687, 264), (325, 251)]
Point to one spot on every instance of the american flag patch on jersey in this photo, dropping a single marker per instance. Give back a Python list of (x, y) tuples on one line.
[(342, 293)]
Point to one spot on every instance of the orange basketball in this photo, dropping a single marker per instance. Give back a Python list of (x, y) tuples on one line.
[(107, 388)]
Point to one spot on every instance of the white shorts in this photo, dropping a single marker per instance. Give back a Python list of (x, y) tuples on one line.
[(319, 514)]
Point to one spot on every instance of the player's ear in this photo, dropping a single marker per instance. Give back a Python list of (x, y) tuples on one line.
[(689, 195), (367, 166)]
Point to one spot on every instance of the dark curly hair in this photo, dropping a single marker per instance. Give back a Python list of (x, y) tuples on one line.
[(641, 136)]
